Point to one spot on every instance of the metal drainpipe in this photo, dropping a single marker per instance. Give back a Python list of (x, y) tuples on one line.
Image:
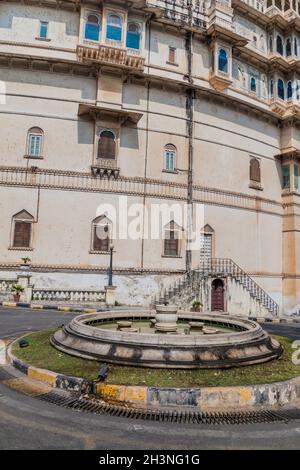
[(147, 143), (190, 94)]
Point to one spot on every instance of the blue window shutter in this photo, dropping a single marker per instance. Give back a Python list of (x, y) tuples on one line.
[(92, 32), (114, 32), (133, 40)]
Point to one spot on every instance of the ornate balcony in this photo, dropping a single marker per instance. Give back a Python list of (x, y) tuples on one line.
[(220, 82), (278, 106), (105, 168), (110, 54)]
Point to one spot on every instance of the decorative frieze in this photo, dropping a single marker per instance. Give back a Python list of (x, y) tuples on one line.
[(133, 186)]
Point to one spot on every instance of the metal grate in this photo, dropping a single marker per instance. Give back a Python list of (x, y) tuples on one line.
[(92, 405)]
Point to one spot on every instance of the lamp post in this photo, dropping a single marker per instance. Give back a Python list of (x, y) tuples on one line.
[(110, 271)]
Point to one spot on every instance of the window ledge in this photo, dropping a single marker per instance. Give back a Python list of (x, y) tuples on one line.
[(19, 248), (93, 252), (42, 39), (173, 172), (254, 185), (172, 63), (39, 157), (171, 256)]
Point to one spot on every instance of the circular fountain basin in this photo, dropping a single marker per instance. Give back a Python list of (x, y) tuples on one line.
[(244, 342)]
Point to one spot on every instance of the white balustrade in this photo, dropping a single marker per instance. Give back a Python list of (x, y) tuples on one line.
[(68, 295)]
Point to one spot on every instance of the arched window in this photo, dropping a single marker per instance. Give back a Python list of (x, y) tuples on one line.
[(255, 170), (114, 27), (278, 4), (22, 230), (107, 145), (101, 234), (279, 45), (35, 142), (133, 36), (253, 85), (170, 157), (288, 47), (172, 236), (269, 3), (92, 28), (289, 90), (223, 61), (287, 5), (297, 91), (271, 43), (271, 88), (280, 89), (295, 47)]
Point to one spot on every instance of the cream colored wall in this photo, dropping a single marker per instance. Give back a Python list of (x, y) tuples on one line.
[(224, 142), (21, 23), (160, 40), (50, 102)]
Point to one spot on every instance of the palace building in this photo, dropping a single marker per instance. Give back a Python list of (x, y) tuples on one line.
[(182, 101)]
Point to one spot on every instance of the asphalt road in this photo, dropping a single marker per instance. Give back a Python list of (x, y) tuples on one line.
[(27, 423)]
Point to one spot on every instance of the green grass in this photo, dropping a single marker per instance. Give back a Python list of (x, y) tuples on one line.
[(40, 353)]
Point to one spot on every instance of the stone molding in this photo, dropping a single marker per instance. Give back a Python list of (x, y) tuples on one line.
[(77, 181)]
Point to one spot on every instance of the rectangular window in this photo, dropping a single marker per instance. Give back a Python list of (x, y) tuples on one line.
[(22, 235), (101, 238), (172, 55), (205, 245), (296, 176), (171, 243), (170, 160), (44, 29), (286, 176), (34, 145)]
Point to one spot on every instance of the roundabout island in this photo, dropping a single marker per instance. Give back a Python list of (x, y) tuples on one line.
[(164, 339)]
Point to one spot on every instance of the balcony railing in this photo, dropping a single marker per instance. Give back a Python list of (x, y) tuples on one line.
[(105, 167), (110, 55)]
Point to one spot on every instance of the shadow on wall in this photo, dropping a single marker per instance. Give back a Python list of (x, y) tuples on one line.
[(85, 131), (129, 138)]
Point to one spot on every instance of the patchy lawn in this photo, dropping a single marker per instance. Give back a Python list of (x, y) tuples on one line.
[(40, 353)]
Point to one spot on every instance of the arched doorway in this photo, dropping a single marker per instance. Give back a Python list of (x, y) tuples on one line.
[(217, 295)]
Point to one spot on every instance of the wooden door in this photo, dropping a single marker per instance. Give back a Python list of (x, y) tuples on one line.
[(217, 295)]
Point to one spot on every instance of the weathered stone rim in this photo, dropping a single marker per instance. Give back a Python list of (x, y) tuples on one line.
[(251, 346)]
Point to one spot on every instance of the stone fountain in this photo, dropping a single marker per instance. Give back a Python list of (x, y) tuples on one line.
[(217, 341)]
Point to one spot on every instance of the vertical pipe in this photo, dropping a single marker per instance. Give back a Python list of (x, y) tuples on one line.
[(190, 136)]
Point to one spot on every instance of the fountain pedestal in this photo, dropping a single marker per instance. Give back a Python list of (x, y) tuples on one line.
[(166, 319)]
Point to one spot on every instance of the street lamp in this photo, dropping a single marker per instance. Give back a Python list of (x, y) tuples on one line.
[(110, 271)]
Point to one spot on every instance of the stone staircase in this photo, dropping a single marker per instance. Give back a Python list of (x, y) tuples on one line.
[(187, 287)]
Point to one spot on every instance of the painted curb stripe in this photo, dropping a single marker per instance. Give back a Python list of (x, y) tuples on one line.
[(46, 376), (203, 398)]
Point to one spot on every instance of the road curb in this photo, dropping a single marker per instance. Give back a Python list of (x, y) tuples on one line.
[(54, 379), (253, 397), (59, 308)]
